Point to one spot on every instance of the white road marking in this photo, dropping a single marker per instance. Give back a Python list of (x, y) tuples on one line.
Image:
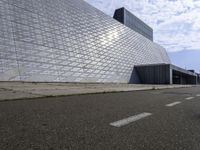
[(198, 95), (128, 120), (173, 104), (189, 98)]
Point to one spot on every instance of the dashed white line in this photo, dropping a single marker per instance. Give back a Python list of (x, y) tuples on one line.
[(198, 95), (128, 120), (189, 98), (173, 104)]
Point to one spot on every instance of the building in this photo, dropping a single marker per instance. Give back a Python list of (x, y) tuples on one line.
[(131, 21), (198, 78), (70, 41), (165, 74)]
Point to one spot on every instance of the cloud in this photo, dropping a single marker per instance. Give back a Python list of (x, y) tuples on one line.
[(176, 23)]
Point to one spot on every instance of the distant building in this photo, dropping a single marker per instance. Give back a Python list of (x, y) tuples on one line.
[(192, 71), (198, 78), (131, 21)]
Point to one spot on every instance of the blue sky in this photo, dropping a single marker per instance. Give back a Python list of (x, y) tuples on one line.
[(176, 25)]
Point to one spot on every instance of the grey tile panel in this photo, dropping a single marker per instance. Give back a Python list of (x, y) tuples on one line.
[(68, 41)]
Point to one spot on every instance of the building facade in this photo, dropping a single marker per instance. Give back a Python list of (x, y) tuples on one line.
[(133, 22), (165, 74), (69, 41)]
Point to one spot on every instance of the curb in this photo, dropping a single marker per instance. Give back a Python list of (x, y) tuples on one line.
[(97, 92)]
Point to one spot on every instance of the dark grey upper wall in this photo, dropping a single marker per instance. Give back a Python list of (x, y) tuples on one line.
[(133, 22), (119, 15)]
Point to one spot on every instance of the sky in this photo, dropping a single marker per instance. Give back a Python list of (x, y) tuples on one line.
[(176, 25)]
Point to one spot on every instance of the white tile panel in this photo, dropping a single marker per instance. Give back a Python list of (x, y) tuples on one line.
[(69, 41)]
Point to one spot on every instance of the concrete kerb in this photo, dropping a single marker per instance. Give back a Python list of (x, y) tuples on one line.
[(36, 96)]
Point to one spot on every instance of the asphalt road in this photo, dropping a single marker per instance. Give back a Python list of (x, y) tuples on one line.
[(85, 122)]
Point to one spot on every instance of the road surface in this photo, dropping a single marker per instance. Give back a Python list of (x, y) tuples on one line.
[(141, 120)]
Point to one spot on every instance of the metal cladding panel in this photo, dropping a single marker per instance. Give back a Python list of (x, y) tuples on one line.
[(69, 41), (154, 74)]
